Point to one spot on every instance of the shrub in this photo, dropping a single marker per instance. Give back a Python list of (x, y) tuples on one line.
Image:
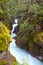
[(5, 37)]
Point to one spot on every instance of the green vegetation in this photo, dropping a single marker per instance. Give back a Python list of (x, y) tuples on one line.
[(9, 7), (31, 26), (25, 27), (14, 62), (3, 62), (30, 15), (5, 37), (1, 11)]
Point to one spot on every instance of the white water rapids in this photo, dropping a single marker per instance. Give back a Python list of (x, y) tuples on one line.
[(21, 55)]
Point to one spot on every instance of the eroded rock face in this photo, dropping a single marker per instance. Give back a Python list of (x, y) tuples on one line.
[(23, 45), (36, 51)]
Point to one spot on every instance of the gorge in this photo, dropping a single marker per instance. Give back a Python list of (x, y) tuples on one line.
[(21, 55), (21, 32)]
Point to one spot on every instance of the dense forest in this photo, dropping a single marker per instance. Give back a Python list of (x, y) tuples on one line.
[(29, 30)]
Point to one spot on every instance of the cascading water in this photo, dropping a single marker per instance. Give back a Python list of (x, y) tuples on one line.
[(21, 55)]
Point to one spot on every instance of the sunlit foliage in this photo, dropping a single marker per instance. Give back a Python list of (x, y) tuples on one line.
[(5, 37)]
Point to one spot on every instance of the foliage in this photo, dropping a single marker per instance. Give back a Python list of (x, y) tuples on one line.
[(26, 27), (31, 14), (40, 37), (14, 62), (31, 26), (1, 11), (5, 37), (7, 11), (24, 38), (17, 7), (8, 6), (3, 62)]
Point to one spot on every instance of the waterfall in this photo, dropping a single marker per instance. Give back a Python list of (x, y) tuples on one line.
[(21, 55)]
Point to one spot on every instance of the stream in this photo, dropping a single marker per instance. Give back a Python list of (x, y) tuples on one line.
[(21, 55)]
